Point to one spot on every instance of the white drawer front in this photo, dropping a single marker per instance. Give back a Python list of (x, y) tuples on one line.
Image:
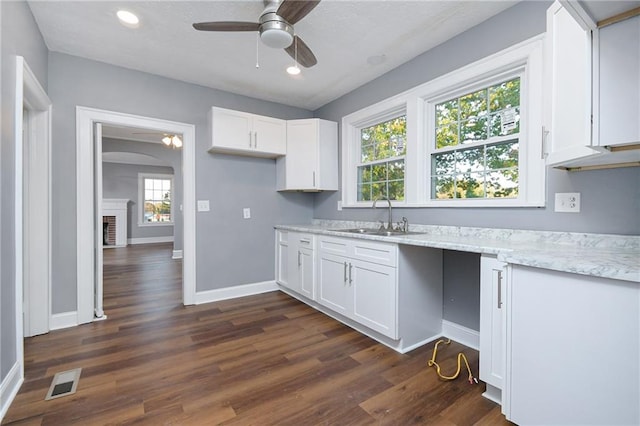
[(334, 245), (380, 253)]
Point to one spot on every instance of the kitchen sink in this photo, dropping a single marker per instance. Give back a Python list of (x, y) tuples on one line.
[(375, 231)]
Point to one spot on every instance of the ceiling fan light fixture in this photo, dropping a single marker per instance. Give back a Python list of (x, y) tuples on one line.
[(128, 19), (293, 69), (276, 38), (166, 140), (176, 141)]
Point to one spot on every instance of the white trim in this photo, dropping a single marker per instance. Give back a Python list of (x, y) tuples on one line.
[(150, 240), (141, 200), (63, 320), (527, 55), (461, 334), (177, 254), (235, 291), (10, 387), (86, 244)]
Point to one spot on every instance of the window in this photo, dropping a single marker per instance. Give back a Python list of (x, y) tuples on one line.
[(383, 147), (470, 138), (155, 199), (476, 138)]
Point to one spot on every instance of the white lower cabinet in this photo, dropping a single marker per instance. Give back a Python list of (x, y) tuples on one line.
[(295, 263), (572, 349), (359, 289), (492, 324)]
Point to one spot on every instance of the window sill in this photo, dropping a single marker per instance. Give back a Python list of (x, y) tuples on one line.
[(453, 204), (146, 224)]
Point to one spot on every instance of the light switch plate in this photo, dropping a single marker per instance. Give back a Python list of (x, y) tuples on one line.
[(246, 213), (203, 205), (567, 202)]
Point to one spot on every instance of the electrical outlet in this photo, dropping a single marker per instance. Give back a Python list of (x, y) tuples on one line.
[(203, 205), (339, 205), (567, 202), (246, 213)]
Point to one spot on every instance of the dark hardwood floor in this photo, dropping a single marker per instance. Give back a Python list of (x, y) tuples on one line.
[(259, 360)]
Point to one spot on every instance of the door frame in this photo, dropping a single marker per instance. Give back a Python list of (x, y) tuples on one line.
[(86, 155), (33, 296)]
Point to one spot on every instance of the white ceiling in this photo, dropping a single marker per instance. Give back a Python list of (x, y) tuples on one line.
[(343, 34)]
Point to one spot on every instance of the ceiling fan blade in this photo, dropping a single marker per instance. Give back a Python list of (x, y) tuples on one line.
[(226, 26), (294, 10), (306, 58)]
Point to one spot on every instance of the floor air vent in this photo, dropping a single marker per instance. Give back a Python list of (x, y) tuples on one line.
[(64, 383)]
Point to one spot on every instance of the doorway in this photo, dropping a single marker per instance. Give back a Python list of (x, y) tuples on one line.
[(89, 158)]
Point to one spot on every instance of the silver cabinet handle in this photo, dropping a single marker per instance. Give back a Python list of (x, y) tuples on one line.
[(545, 132), (255, 139), (314, 179), (345, 272), (305, 241), (299, 261), (350, 273), (249, 139), (499, 289)]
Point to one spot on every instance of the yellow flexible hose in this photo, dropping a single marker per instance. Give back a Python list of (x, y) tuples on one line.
[(432, 362)]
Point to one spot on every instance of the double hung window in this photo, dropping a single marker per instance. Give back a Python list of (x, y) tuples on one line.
[(155, 199)]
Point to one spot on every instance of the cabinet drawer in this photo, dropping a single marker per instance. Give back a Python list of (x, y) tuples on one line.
[(334, 245), (304, 240), (380, 253)]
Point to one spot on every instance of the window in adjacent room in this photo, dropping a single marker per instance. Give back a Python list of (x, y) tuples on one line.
[(156, 199)]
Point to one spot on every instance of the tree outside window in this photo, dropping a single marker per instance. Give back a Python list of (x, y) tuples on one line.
[(383, 147), (476, 144)]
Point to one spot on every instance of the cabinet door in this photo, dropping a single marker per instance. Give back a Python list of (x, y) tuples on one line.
[(492, 274), (619, 55), (302, 154), (306, 272), (270, 135), (573, 345), (333, 286), (375, 295), (568, 84), (282, 258), (231, 129)]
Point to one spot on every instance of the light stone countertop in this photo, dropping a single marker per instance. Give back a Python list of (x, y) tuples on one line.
[(599, 255)]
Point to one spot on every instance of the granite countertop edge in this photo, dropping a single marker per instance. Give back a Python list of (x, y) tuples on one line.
[(597, 255)]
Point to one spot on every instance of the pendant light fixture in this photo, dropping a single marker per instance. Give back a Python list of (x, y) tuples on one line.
[(173, 141)]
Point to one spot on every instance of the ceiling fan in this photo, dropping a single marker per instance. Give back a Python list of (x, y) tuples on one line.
[(276, 27), (169, 139)]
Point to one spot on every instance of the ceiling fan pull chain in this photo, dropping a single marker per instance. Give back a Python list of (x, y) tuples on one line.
[(258, 51)]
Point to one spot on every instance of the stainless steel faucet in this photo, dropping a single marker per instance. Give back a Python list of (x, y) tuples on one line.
[(390, 224)]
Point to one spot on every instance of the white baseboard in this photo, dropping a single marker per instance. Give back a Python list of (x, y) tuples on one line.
[(10, 387), (234, 292), (150, 240), (461, 334), (63, 320), (177, 254)]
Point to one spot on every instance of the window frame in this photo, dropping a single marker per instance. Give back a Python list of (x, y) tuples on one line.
[(141, 198), (523, 59)]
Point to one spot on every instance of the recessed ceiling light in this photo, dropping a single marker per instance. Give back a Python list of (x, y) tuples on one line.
[(128, 19)]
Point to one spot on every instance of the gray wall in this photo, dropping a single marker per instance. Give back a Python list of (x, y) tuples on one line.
[(229, 250), (20, 36), (121, 181), (170, 157), (610, 198)]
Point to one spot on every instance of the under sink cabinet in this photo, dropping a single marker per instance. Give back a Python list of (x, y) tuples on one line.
[(242, 133)]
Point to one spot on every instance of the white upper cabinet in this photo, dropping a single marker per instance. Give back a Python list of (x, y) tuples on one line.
[(242, 133), (568, 81), (592, 80), (619, 78), (311, 163)]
